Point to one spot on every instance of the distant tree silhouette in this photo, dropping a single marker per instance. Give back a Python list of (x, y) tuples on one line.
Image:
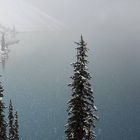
[(3, 42), (3, 124), (16, 127), (81, 108), (11, 122)]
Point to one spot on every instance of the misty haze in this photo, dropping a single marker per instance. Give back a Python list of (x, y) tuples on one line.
[(37, 47)]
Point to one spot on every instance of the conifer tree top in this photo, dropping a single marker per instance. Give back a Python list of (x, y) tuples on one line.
[(81, 120)]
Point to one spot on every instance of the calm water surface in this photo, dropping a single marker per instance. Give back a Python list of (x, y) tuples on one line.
[(37, 73)]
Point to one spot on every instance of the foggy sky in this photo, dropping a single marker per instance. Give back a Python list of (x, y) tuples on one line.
[(81, 15), (94, 14)]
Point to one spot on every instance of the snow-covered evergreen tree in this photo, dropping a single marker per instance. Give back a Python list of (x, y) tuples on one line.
[(81, 108), (3, 123), (11, 122), (16, 127)]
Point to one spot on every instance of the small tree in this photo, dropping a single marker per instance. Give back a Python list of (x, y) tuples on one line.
[(3, 42), (81, 108), (16, 127), (3, 123), (11, 122)]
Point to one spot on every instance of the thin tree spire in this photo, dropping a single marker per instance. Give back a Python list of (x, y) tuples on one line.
[(81, 108), (3, 124), (16, 127), (11, 121)]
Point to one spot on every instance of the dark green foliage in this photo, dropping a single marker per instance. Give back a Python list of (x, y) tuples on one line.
[(16, 127), (11, 122), (3, 123), (81, 118)]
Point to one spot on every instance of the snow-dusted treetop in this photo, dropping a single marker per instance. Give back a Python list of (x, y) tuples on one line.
[(26, 17)]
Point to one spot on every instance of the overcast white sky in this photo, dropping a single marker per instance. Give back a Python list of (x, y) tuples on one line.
[(76, 14), (123, 14)]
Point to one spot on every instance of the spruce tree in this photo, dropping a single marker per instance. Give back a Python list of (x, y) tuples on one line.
[(11, 122), (16, 127), (81, 108), (3, 123)]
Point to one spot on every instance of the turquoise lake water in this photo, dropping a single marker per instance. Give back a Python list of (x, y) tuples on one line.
[(37, 73)]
